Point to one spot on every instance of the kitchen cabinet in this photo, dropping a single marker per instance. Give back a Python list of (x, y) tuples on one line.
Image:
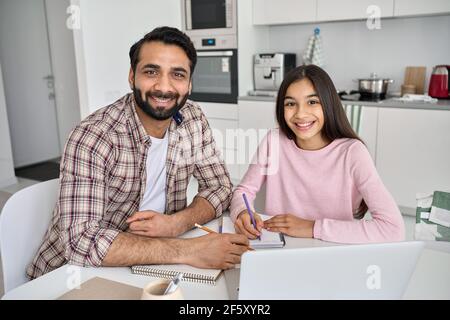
[(222, 118), (219, 110), (413, 152), (332, 10), (271, 12), (421, 7), (256, 118), (224, 131)]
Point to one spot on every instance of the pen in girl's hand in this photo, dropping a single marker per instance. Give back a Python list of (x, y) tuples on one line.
[(250, 213)]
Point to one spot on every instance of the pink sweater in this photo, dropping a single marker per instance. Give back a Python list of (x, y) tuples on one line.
[(325, 185)]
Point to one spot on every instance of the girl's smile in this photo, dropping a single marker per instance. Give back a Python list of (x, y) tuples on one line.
[(305, 126)]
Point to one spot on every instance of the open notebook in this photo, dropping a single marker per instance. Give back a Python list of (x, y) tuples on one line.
[(169, 271), (268, 239)]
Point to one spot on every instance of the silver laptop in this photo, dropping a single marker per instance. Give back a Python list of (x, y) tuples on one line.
[(369, 271)]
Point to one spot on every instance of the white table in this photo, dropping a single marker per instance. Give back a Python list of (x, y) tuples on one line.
[(431, 278)]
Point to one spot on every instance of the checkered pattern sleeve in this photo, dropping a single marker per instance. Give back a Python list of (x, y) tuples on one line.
[(85, 235), (212, 176)]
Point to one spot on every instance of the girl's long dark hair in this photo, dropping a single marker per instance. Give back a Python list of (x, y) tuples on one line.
[(336, 124)]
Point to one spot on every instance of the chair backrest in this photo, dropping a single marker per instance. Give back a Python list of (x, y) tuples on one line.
[(23, 223)]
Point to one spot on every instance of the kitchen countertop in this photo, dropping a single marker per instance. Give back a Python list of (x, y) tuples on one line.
[(257, 98), (388, 103)]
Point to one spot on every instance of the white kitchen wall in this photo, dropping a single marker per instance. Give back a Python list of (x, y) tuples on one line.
[(108, 30), (7, 176), (110, 27), (353, 51)]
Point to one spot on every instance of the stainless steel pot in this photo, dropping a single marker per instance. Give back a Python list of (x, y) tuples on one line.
[(374, 85)]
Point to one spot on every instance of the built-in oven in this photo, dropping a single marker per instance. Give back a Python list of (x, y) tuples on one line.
[(215, 76)]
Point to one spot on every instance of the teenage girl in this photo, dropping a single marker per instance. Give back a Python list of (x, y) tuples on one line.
[(320, 179)]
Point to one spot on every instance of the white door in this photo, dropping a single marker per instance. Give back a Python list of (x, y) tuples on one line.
[(27, 76)]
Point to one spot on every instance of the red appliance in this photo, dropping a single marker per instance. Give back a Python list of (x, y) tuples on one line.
[(439, 82)]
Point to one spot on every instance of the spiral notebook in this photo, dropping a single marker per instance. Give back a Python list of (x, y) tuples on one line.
[(169, 271)]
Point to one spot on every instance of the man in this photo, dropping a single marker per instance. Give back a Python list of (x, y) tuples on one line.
[(126, 168)]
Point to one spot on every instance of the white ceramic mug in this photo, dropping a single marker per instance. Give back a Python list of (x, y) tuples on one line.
[(155, 291)]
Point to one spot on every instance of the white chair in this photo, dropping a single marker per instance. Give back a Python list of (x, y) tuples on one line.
[(23, 223)]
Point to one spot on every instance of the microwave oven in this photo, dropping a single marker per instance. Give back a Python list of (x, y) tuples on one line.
[(211, 24)]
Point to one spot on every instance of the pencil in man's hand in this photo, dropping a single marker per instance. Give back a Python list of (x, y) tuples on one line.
[(204, 228), (212, 231)]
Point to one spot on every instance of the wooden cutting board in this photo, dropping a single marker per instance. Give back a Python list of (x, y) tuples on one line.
[(416, 76)]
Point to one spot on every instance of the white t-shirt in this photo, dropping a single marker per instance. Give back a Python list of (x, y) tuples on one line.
[(155, 190)]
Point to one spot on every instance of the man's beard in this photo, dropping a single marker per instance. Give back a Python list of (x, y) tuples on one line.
[(158, 113)]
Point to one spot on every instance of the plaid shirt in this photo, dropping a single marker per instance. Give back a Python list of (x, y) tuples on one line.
[(103, 177)]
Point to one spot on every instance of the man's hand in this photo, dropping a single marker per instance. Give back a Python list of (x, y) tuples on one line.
[(153, 224), (244, 225), (215, 251), (290, 225)]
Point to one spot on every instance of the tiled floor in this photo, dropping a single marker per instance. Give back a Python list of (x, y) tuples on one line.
[(41, 171), (5, 193)]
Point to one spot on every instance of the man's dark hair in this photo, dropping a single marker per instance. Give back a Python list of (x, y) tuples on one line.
[(167, 35)]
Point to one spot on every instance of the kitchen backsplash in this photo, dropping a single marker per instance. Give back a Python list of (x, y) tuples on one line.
[(353, 51)]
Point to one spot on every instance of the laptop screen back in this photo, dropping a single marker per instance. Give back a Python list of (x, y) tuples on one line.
[(369, 271)]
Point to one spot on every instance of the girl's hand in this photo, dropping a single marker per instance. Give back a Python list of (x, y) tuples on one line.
[(290, 225), (244, 225)]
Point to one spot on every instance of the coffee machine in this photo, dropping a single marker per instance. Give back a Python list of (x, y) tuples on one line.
[(269, 70), (439, 82)]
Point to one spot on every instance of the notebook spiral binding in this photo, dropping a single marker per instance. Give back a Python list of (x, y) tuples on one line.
[(169, 274)]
